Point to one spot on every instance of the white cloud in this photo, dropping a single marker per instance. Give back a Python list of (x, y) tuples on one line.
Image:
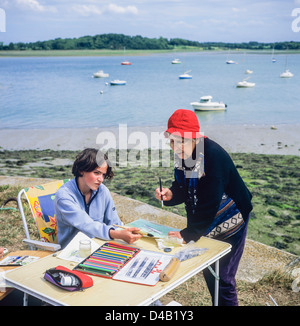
[(34, 5), (87, 10), (122, 10)]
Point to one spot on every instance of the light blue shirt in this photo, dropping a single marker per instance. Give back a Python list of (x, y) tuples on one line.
[(74, 215)]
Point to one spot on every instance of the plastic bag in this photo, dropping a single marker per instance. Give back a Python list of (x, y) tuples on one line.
[(190, 251)]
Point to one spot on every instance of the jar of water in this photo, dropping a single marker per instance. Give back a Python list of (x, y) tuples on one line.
[(84, 248)]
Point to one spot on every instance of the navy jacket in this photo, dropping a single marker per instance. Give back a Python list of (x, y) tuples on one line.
[(202, 196)]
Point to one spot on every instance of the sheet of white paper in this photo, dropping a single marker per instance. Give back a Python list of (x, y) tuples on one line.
[(70, 252), (144, 268)]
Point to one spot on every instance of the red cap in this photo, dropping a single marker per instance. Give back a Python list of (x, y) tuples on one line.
[(184, 123)]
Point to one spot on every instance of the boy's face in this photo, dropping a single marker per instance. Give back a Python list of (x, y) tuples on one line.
[(94, 178), (183, 147)]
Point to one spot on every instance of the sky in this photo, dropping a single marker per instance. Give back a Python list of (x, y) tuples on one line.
[(195, 20)]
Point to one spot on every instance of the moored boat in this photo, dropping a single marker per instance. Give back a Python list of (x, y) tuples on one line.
[(206, 104), (117, 82), (100, 74), (186, 75)]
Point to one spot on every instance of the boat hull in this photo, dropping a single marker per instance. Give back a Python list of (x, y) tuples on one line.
[(213, 107), (245, 85), (117, 82), (101, 75), (286, 75), (185, 77)]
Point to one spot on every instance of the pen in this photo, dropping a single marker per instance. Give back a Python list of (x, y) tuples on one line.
[(161, 197)]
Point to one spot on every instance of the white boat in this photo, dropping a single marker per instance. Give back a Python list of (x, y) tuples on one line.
[(186, 75), (176, 61), (286, 74), (100, 74), (206, 104), (273, 58), (229, 61), (117, 82), (244, 84), (248, 71)]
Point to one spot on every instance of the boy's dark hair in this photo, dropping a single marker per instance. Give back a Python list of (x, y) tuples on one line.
[(88, 160)]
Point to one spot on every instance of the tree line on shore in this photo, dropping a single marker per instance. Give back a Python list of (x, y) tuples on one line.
[(119, 41)]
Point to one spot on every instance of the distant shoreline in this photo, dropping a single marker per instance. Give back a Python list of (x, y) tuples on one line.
[(259, 139), (107, 52)]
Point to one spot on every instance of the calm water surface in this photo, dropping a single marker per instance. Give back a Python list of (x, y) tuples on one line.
[(59, 92)]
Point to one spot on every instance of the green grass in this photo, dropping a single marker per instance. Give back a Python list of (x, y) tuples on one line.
[(108, 52), (71, 53)]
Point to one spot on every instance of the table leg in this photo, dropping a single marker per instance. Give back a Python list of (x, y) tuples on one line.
[(217, 283), (215, 274), (25, 299)]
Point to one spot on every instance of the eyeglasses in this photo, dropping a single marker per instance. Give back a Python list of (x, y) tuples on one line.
[(180, 142)]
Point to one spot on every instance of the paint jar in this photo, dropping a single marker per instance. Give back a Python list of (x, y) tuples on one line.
[(84, 248)]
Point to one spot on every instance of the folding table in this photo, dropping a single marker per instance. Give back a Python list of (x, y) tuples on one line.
[(108, 292)]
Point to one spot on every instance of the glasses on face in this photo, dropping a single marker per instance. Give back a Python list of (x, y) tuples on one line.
[(180, 142)]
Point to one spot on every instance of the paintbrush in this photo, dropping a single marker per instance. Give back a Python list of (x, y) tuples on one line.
[(275, 303), (140, 232), (161, 197)]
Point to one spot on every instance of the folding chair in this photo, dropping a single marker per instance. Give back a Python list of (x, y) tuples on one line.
[(41, 202)]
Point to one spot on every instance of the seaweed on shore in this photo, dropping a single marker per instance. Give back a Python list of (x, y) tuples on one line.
[(272, 179)]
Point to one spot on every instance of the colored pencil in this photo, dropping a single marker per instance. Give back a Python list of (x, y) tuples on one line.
[(108, 259), (113, 244)]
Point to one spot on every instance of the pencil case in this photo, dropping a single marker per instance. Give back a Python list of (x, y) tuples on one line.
[(68, 280)]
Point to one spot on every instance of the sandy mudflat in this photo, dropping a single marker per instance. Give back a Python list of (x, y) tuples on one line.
[(260, 139)]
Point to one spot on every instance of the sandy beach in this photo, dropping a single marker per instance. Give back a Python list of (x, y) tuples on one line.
[(259, 139)]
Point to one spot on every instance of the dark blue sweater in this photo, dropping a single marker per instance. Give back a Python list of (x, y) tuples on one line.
[(221, 177)]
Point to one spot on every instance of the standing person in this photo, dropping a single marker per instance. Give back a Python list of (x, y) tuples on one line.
[(217, 202), (85, 204)]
